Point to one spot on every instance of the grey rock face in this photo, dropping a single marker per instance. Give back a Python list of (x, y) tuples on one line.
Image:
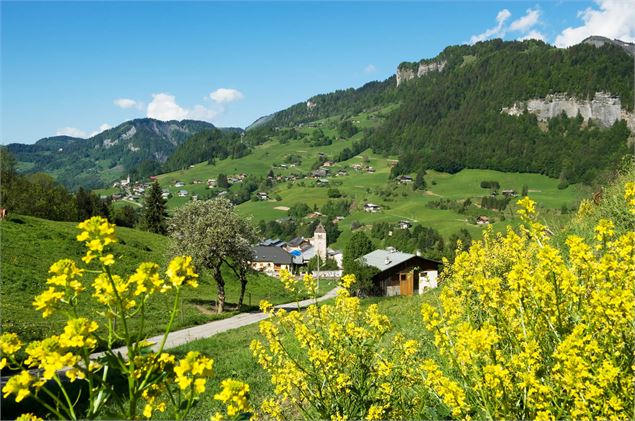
[(604, 109), (405, 74)]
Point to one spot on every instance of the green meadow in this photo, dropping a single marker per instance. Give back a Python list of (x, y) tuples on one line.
[(30, 245)]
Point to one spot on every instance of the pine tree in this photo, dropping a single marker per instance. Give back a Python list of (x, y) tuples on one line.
[(155, 212)]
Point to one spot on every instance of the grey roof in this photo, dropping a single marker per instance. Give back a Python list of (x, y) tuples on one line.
[(385, 259), (273, 254), (295, 242)]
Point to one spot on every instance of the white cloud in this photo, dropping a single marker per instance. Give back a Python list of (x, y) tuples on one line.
[(612, 19), (370, 69), (524, 27), (496, 31), (533, 35), (525, 23), (164, 107), (102, 128), (71, 131), (224, 95), (126, 103)]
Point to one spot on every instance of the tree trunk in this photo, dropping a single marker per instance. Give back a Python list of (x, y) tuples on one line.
[(220, 286), (243, 287)]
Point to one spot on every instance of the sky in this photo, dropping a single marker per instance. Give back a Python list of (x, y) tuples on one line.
[(78, 68)]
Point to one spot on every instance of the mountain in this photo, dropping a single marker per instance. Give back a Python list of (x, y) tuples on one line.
[(106, 156), (502, 105)]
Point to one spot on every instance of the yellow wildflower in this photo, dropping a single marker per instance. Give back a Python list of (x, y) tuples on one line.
[(18, 385), (234, 394), (180, 270), (47, 300)]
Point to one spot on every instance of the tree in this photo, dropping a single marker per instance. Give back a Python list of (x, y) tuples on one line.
[(420, 182), (357, 246), (155, 212), (212, 233), (126, 216), (222, 181), (525, 190)]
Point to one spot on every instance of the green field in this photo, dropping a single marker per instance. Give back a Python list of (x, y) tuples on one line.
[(30, 245), (398, 201)]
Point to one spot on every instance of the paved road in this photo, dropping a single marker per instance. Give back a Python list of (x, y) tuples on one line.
[(183, 336)]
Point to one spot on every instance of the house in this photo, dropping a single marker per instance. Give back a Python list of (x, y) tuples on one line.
[(404, 225), (405, 179), (271, 259), (179, 184), (314, 215), (275, 243), (166, 195), (183, 193), (211, 183), (341, 173), (328, 163), (371, 207), (401, 273), (263, 196), (195, 197), (482, 220), (197, 182), (357, 167), (370, 170), (509, 193), (320, 173)]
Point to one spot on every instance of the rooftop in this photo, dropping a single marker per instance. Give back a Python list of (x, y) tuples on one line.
[(385, 259), (272, 254)]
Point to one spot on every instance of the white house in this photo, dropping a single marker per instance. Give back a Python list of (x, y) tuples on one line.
[(371, 207), (183, 193)]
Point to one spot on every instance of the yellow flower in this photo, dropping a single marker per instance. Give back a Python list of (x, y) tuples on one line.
[(180, 270), (9, 344), (97, 233), (77, 333), (375, 412), (629, 195), (107, 260), (66, 274), (18, 385), (47, 300), (234, 394), (28, 417), (288, 280), (347, 281), (265, 306)]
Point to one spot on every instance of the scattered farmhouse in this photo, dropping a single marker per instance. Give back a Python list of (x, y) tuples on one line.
[(405, 179), (371, 207), (401, 273), (482, 220), (179, 184), (404, 225), (263, 196), (510, 193), (183, 193)]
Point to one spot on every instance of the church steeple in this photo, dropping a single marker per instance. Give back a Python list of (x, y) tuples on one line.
[(319, 241)]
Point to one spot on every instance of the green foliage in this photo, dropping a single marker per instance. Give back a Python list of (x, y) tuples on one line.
[(441, 110), (357, 246), (154, 211), (208, 145), (299, 211), (334, 193), (346, 129), (495, 185)]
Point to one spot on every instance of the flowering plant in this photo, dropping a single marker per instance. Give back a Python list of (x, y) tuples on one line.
[(532, 332), (148, 374)]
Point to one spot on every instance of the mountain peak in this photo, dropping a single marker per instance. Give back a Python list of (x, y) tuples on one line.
[(599, 41)]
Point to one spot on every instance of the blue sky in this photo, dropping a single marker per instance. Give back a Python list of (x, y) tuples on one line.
[(79, 67)]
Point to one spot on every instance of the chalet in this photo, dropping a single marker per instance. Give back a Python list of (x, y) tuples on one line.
[(183, 193), (371, 207), (509, 193), (166, 195), (179, 184), (195, 197), (323, 181), (314, 215), (357, 167), (116, 196), (404, 225), (211, 183), (197, 182), (401, 273), (328, 163), (405, 179), (271, 259), (370, 169), (263, 196), (482, 220), (341, 173)]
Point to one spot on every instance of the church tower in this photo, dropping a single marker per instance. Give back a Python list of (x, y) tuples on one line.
[(319, 241)]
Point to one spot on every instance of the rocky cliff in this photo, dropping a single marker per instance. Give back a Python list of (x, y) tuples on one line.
[(598, 41), (604, 109), (407, 71)]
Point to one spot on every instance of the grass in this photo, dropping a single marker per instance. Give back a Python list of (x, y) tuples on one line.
[(30, 245)]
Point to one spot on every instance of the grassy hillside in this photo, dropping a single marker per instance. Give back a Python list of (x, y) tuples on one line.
[(30, 245), (398, 201)]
